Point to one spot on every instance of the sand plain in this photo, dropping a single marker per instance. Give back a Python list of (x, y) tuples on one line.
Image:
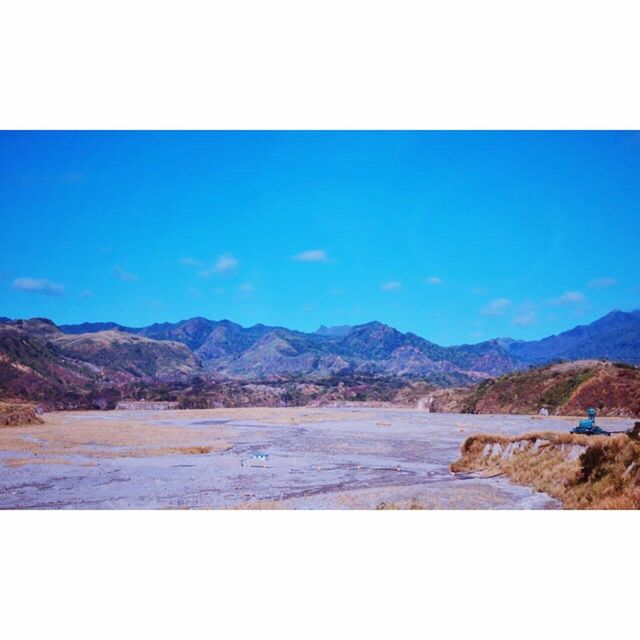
[(293, 458)]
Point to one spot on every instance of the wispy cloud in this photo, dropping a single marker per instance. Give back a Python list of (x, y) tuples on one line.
[(245, 291), (190, 262), (525, 316), (496, 307), (568, 298), (480, 291), (225, 265), (85, 294), (435, 281), (40, 286), (313, 255), (394, 285), (124, 275), (603, 283)]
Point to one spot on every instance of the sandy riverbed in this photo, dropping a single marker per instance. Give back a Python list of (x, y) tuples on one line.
[(358, 458)]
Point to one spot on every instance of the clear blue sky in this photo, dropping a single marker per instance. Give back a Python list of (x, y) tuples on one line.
[(456, 236)]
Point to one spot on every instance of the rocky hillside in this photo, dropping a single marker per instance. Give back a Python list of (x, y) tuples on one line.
[(31, 367), (40, 363), (561, 389), (126, 353)]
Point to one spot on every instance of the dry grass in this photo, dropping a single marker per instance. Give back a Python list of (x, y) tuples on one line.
[(584, 472), (412, 505), (20, 462), (259, 505), (185, 450), (14, 414), (65, 434)]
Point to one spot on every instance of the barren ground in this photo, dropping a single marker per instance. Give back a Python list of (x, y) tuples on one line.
[(356, 458)]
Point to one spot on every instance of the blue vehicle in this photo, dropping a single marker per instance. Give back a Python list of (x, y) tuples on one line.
[(589, 427)]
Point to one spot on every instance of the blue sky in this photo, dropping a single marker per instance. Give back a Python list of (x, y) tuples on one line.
[(456, 236)]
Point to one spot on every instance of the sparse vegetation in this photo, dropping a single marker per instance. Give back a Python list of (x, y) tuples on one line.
[(560, 393), (413, 505), (563, 389), (584, 472)]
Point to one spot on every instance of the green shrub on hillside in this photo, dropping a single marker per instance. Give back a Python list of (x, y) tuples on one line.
[(560, 393)]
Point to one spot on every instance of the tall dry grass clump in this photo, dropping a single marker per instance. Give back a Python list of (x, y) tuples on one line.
[(14, 414)]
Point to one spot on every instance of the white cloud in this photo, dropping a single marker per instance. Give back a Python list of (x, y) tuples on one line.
[(394, 285), (313, 255), (225, 265), (480, 291), (123, 275), (568, 298), (86, 294), (41, 286), (496, 307), (602, 283), (434, 280)]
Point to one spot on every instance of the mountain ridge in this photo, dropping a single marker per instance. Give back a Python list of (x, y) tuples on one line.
[(224, 349), (206, 362), (613, 336)]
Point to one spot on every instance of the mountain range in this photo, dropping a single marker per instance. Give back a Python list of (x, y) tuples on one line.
[(84, 356), (227, 348)]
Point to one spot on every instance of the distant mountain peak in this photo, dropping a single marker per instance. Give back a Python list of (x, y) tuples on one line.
[(336, 331), (374, 324)]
